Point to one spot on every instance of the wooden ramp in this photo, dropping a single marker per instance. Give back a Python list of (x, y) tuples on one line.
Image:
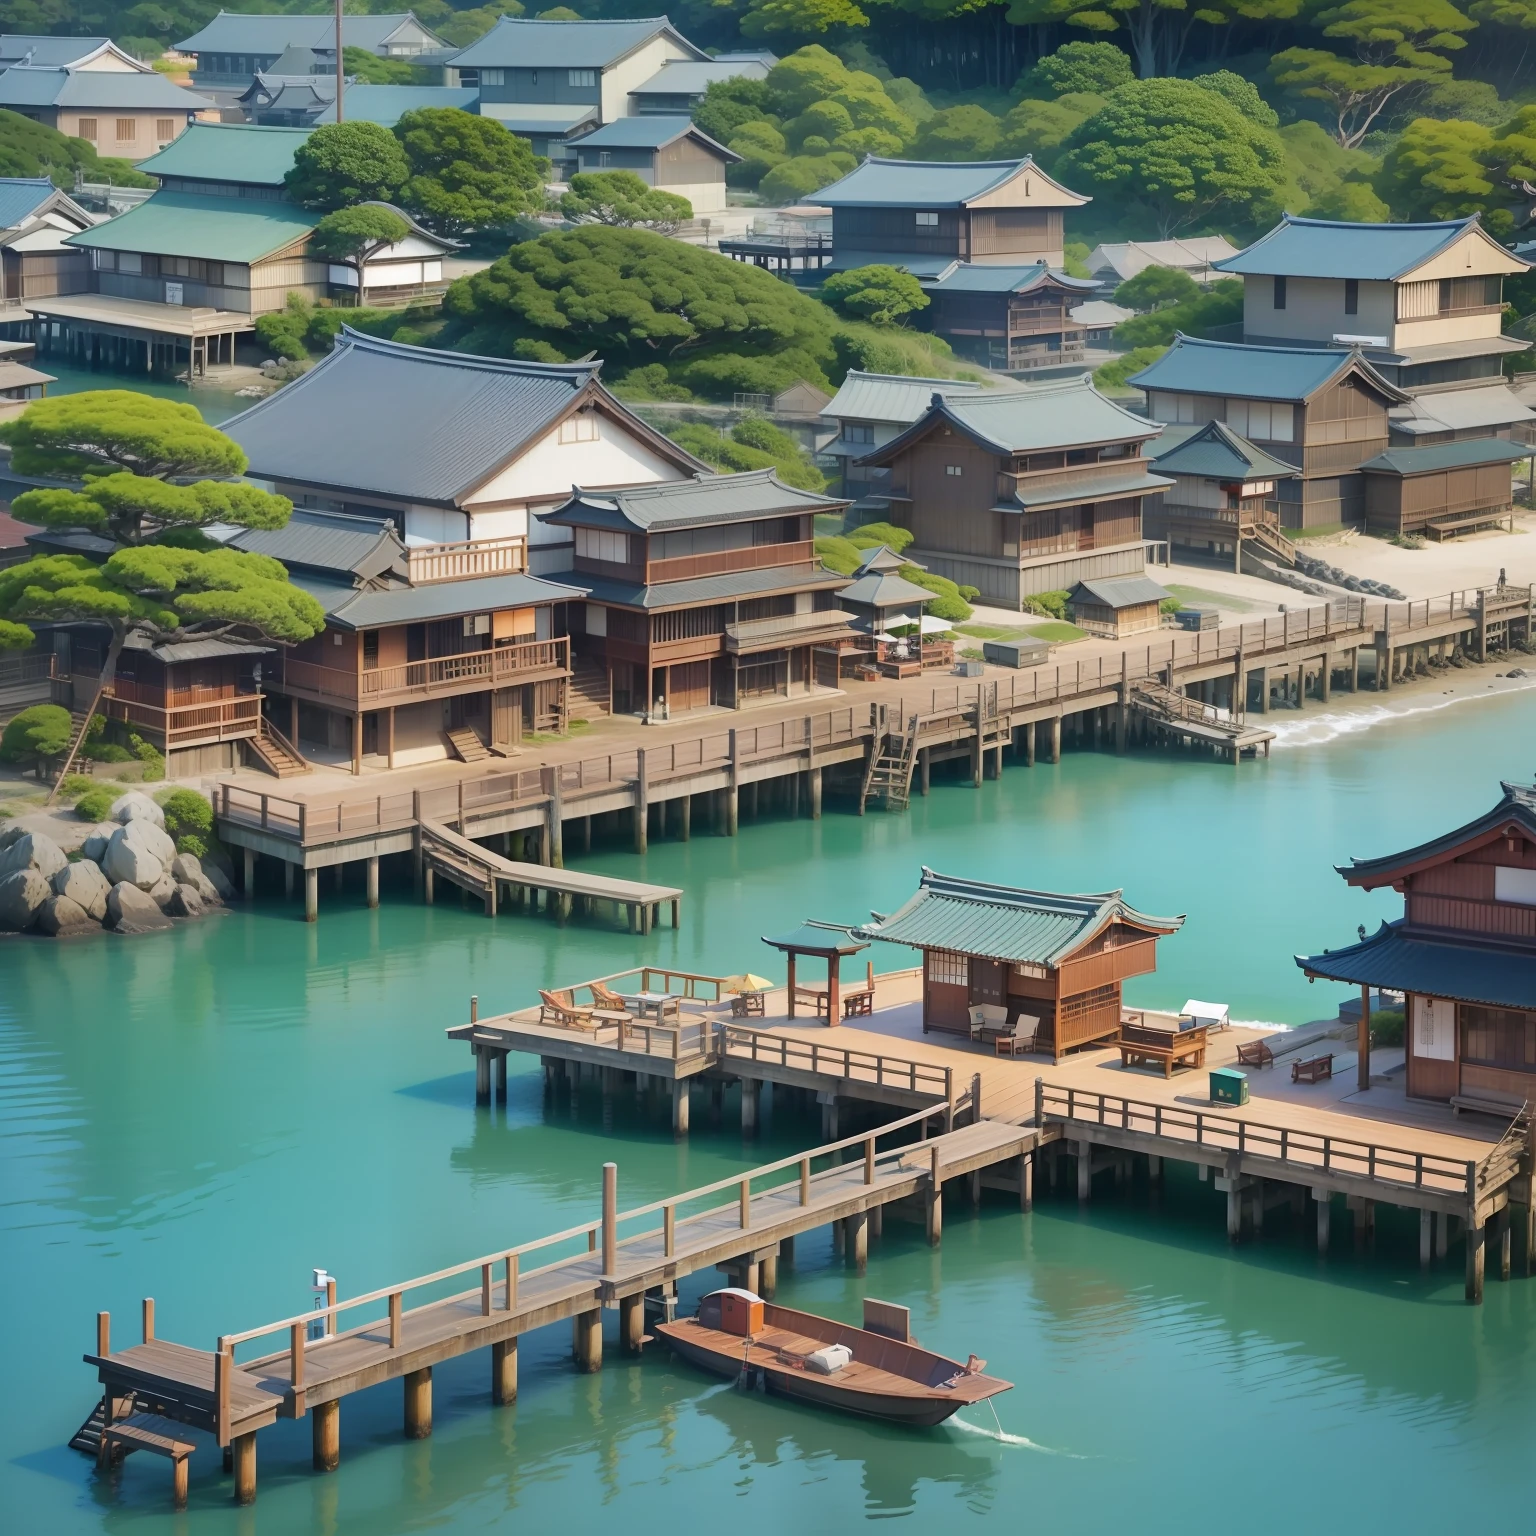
[(1171, 713)]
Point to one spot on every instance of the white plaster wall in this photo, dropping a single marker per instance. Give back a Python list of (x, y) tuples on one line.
[(706, 196), (1314, 309), (634, 71)]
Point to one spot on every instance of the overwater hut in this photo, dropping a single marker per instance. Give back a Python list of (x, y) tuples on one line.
[(1463, 954), (1061, 959)]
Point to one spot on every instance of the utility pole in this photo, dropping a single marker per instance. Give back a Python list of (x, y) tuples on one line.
[(340, 72)]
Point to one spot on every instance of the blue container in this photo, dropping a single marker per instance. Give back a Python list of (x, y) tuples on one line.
[(1229, 1086)]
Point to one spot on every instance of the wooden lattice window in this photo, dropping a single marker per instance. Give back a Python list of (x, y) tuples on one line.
[(949, 967)]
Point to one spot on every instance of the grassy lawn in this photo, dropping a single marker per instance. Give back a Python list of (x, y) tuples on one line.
[(1200, 597), (1057, 631), (992, 631)]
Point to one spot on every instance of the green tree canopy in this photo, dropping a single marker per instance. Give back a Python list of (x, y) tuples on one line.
[(753, 444), (1040, 128), (883, 294), (1198, 316), (623, 199), (730, 104), (1243, 94), (344, 163), (957, 133), (1095, 68), (467, 172), (800, 18), (357, 234), (1157, 288), (1175, 154), (364, 65), (120, 506), (799, 176)]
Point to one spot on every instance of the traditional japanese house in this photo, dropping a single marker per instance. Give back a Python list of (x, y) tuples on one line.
[(1117, 606), (36, 220), (1443, 490), (1323, 410), (1463, 954), (880, 594), (679, 86), (667, 153), (1060, 959), (1224, 493), (1113, 264), (1026, 492), (1011, 319), (703, 591), (925, 215)]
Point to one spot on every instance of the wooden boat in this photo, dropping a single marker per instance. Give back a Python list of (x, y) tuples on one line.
[(737, 1334)]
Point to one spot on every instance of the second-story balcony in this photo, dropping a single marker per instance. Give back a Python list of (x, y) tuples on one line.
[(826, 626), (429, 563), (438, 677)]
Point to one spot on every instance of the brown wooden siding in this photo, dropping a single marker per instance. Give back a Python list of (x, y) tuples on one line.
[(1026, 232), (1405, 503), (1428, 1079), (1138, 958), (897, 229)]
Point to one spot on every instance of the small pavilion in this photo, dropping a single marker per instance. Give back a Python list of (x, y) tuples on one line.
[(823, 941), (879, 592), (1061, 959)]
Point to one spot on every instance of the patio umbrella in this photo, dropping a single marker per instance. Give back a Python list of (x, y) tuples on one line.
[(899, 621), (932, 626), (746, 982)]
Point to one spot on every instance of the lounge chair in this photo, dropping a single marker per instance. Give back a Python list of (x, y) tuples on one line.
[(1022, 1040), (559, 1008), (608, 1001), (988, 1019)]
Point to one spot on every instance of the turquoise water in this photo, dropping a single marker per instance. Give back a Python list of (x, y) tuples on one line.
[(204, 1116), (217, 405)]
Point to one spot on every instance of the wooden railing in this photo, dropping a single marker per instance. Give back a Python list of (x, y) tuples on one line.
[(759, 557), (185, 724), (772, 1049), (379, 686), (429, 563), (1313, 1150), (785, 628), (26, 671)]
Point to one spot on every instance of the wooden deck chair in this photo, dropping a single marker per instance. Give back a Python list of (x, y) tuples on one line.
[(558, 1008)]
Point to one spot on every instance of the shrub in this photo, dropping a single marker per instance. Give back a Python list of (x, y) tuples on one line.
[(188, 820), (839, 555), (76, 784), (948, 601), (154, 763), (1169, 605), (36, 733), (94, 805), (1387, 1027), (1052, 604), (869, 535)]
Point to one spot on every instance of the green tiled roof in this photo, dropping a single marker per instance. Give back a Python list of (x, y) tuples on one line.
[(1004, 922), (209, 228), (1462, 455), (1465, 973), (818, 939), (1216, 452), (1192, 366), (229, 152)]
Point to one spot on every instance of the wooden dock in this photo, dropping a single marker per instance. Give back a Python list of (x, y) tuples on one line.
[(741, 1224), (659, 782)]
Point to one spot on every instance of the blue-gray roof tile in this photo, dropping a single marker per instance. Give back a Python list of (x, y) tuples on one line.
[(1333, 249), (518, 43), (1196, 367), (881, 183)]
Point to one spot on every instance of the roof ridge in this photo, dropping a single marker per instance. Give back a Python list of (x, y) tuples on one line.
[(944, 165), (516, 365)]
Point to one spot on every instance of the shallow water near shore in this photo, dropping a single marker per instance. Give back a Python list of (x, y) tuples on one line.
[(205, 1115)]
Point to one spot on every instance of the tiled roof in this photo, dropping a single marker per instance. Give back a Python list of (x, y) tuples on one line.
[(689, 77), (1066, 490), (21, 197), (1118, 592), (386, 104), (1126, 259), (653, 132), (232, 32), (443, 600), (1004, 922), (705, 589), (327, 541), (26, 85), (538, 116), (1435, 456), (884, 589), (974, 277), (1329, 248), (1216, 452), (239, 152), (49, 52), (1192, 366), (1465, 973), (1457, 410), (1516, 808), (815, 938), (696, 503), (516, 43), (927, 268), (881, 183), (890, 396), (209, 228)]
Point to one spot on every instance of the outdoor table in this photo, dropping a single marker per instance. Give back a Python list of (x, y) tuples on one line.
[(655, 1004)]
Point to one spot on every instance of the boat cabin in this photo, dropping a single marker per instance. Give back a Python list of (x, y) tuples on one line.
[(1060, 959), (1463, 954)]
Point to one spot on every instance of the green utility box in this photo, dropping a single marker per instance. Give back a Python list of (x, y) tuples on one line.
[(1229, 1086)]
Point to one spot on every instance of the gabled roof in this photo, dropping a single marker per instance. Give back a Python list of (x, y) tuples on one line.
[(893, 397), (59, 52), (371, 607), (336, 542), (387, 104), (1216, 452), (1438, 456), (539, 117), (877, 584), (289, 93), (1003, 922), (210, 228), (973, 277), (813, 938), (1515, 812), (1046, 416), (1192, 366), (196, 649), (23, 197), (1097, 313), (27, 85), (234, 32), (1116, 592), (729, 586), (696, 503), (1126, 259), (690, 77), (413, 424), (654, 132), (881, 183), (517, 43), (1372, 252), (230, 152), (1457, 410), (1434, 967)]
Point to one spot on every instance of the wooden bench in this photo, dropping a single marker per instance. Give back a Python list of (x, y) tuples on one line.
[(1256, 1053), (856, 1003), (1494, 1104), (160, 1437), (1313, 1070), (1140, 1046)]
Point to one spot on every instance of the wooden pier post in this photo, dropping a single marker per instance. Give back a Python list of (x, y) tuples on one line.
[(1053, 739), (243, 1456), (1324, 1200), (1084, 1171), (1235, 1186), (924, 769), (858, 1241), (326, 1432), (311, 895), (610, 1217), (482, 1075), (1475, 1243), (588, 1340), (733, 788), (373, 880), (1502, 1228), (679, 1106), (642, 807), (828, 1103), (1426, 1237), (499, 1076), (631, 1322), (749, 1106), (1026, 1181), (504, 1371), (934, 1196), (684, 817), (287, 880), (815, 779), (248, 884), (418, 1403), (768, 1276), (1029, 744)]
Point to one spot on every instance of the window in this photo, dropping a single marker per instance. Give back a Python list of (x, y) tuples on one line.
[(129, 261), (581, 77), (370, 648), (1181, 409), (476, 624), (1498, 1037), (599, 544), (948, 968), (858, 432), (1351, 296), (604, 158), (495, 77), (88, 128), (127, 130), (1511, 883), (579, 429), (104, 261), (927, 221), (1262, 420), (165, 129), (954, 469), (1279, 293), (1418, 301)]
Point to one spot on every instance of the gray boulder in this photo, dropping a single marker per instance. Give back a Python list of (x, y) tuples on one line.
[(33, 850), (22, 894), (8, 835), (95, 845), (85, 885), (60, 916), (136, 806), (218, 877), (152, 839), (127, 861), (184, 901), (187, 870), (130, 910), (162, 890)]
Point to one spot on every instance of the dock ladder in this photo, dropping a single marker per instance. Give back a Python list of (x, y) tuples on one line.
[(888, 776)]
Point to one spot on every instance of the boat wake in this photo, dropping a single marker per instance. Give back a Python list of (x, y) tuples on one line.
[(1317, 729), (1002, 1436)]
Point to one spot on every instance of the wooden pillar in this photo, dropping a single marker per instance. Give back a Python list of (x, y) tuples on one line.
[(1026, 1181), (1363, 1042), (373, 880), (428, 883), (680, 1106), (389, 736), (749, 1106), (1502, 1227), (768, 1276), (248, 883), (834, 991), (326, 1431), (504, 1371), (482, 1075), (642, 808), (934, 1196), (588, 1340), (311, 895), (685, 817), (1053, 739), (1029, 745), (924, 769), (858, 1241), (631, 1322), (288, 869), (1324, 1209), (418, 1403), (1475, 1241), (815, 779), (243, 1449), (1426, 1237), (733, 789), (357, 745), (1234, 1208), (1084, 1171), (499, 1076), (791, 985), (1325, 678)]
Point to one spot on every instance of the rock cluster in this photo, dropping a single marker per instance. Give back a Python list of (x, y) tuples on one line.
[(129, 877)]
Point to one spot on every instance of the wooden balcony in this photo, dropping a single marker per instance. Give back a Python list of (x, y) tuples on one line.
[(429, 563), (759, 557), (441, 677), (169, 726), (826, 626)]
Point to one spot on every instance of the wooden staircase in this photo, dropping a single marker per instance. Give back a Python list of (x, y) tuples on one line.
[(888, 776), (587, 692), (1273, 543), (87, 1439), (79, 724), (466, 745), (274, 752)]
